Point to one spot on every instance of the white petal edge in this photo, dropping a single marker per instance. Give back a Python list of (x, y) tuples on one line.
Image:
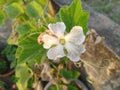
[(74, 51), (76, 35), (49, 41), (56, 52), (57, 29)]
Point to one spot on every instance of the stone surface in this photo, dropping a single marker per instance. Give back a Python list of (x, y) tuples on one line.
[(101, 64), (105, 27), (102, 24), (4, 33)]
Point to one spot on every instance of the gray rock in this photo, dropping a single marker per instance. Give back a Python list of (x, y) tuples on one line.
[(62, 2), (4, 33), (103, 25)]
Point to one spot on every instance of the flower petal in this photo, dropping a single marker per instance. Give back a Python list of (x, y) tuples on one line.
[(76, 35), (74, 51), (55, 53), (49, 41), (57, 29)]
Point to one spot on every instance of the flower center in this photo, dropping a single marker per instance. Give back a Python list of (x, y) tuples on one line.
[(62, 41)]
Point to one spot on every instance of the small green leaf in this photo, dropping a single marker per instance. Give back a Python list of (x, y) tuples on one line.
[(64, 60), (75, 74), (24, 74), (13, 38), (71, 87), (3, 66), (11, 57), (13, 64), (30, 49), (53, 88), (34, 9), (73, 15), (30, 82), (2, 2), (66, 74), (13, 10), (14, 79), (2, 18), (10, 51), (42, 2), (23, 29), (70, 74)]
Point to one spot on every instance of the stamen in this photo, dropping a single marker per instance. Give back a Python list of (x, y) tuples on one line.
[(62, 41)]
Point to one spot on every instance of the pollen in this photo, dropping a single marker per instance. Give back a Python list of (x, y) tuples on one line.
[(62, 41)]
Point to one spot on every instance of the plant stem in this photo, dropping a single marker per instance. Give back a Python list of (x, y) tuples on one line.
[(7, 74), (48, 85)]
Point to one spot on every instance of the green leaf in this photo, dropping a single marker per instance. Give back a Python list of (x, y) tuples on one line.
[(71, 87), (70, 74), (64, 60), (53, 88), (11, 57), (3, 66), (11, 1), (30, 82), (44, 5), (14, 79), (24, 74), (34, 9), (2, 18), (13, 38), (75, 74), (73, 15), (13, 64), (10, 51), (23, 28), (2, 2), (29, 49), (13, 10), (42, 2)]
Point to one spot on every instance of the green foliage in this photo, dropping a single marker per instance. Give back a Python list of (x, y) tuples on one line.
[(2, 2), (64, 60), (70, 74), (30, 82), (23, 28), (2, 18), (29, 49), (14, 79), (71, 87), (29, 21), (2, 85), (24, 74), (9, 52), (13, 10), (53, 88), (73, 15), (34, 9), (3, 66)]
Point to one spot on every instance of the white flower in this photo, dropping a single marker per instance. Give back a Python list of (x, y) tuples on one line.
[(58, 43)]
